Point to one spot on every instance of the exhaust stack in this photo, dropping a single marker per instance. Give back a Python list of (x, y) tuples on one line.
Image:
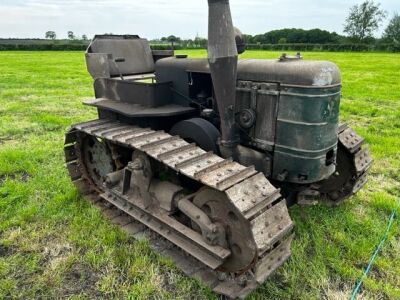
[(223, 58)]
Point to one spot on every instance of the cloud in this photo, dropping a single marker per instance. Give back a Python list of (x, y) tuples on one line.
[(185, 18)]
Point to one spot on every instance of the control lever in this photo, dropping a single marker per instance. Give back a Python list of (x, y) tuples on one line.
[(116, 61)]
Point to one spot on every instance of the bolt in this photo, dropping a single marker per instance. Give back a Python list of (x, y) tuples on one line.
[(222, 276), (137, 165), (242, 280)]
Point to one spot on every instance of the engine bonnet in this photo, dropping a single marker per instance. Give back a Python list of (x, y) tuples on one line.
[(298, 72)]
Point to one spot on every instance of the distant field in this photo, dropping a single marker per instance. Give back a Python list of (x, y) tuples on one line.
[(55, 245)]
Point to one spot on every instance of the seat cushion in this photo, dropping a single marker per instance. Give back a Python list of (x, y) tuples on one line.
[(136, 52)]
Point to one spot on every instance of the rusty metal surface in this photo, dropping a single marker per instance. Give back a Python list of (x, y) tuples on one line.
[(350, 140), (362, 160), (251, 198), (353, 163)]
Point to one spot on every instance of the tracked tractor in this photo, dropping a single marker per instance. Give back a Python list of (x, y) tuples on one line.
[(203, 156)]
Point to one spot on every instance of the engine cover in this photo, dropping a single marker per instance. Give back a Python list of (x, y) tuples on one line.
[(288, 107)]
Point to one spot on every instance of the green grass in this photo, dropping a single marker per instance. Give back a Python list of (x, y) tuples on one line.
[(55, 245)]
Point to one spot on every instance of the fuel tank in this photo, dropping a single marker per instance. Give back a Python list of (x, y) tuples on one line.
[(292, 104)]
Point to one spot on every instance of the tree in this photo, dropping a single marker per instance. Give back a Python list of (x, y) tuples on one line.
[(363, 20), (282, 41), (392, 31), (200, 42), (71, 35), (51, 35), (173, 39), (84, 37)]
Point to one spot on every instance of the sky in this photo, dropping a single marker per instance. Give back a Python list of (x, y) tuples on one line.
[(157, 18)]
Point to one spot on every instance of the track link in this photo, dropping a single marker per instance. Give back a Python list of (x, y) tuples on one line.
[(252, 195), (353, 166)]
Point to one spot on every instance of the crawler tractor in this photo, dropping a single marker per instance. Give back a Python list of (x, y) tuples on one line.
[(203, 156)]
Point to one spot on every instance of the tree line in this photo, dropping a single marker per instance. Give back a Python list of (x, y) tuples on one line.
[(51, 35), (361, 24)]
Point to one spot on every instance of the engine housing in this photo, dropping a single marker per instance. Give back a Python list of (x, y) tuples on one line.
[(287, 108)]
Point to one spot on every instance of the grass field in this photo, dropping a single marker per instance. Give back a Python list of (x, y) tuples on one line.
[(55, 245)]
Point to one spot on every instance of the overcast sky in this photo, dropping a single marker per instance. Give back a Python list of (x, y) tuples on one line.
[(157, 18)]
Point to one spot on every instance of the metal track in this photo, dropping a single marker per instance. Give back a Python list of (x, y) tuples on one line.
[(252, 195), (353, 164)]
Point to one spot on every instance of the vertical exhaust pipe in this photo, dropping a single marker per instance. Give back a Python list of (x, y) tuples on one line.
[(223, 58)]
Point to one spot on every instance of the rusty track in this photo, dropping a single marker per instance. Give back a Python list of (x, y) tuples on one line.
[(353, 164), (259, 203)]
